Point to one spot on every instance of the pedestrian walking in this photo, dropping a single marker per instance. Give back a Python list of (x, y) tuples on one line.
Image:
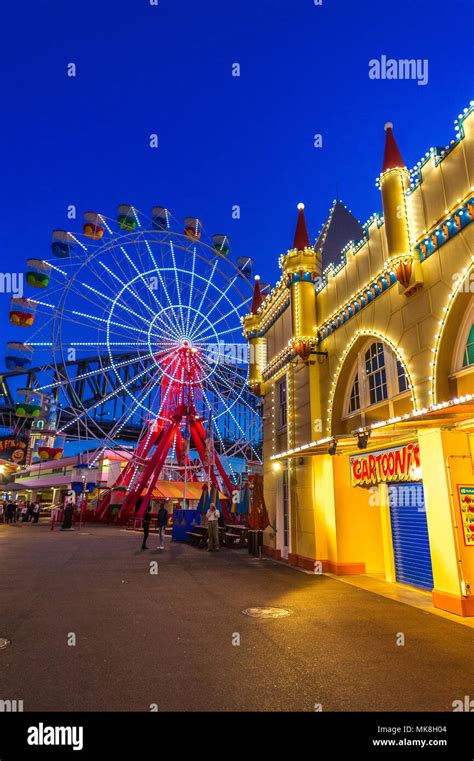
[(146, 526), (2, 512), (212, 516), (36, 512), (162, 522), (24, 514), (29, 511), (10, 508)]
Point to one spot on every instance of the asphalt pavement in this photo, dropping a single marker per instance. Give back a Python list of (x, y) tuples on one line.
[(96, 624)]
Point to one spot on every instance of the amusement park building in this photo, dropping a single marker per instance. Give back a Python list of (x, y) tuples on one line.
[(366, 369)]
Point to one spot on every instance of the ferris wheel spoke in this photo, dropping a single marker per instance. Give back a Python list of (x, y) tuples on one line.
[(139, 273), (73, 321), (223, 295), (191, 290), (170, 325), (102, 369), (107, 398), (170, 303), (178, 289), (219, 334), (223, 400), (78, 289), (121, 425), (125, 286), (232, 389), (229, 411), (113, 301), (94, 303), (108, 322), (199, 310), (234, 312)]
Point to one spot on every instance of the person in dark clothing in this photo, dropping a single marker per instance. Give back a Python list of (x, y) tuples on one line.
[(146, 526), (162, 522), (36, 512)]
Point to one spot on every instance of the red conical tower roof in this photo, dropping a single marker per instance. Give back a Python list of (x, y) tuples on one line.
[(392, 157), (301, 233), (257, 300)]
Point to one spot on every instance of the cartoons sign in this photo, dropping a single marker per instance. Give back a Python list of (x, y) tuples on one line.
[(397, 464)]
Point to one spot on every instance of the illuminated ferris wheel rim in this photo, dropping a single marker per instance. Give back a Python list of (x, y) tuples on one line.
[(190, 248), (158, 342)]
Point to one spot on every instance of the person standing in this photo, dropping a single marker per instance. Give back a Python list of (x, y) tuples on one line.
[(162, 522), (146, 526), (212, 516), (36, 512)]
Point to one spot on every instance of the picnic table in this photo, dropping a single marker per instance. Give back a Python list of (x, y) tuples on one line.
[(236, 535), (198, 535)]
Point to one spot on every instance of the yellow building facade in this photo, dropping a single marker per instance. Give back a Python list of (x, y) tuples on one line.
[(366, 372)]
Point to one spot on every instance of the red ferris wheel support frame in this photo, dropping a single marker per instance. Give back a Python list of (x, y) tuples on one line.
[(182, 377)]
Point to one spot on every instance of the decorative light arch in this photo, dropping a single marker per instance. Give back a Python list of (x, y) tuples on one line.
[(357, 336), (439, 335)]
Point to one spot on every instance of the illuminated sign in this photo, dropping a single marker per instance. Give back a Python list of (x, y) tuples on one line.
[(13, 449), (466, 502), (397, 464)]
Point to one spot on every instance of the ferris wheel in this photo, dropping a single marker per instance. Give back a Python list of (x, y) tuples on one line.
[(150, 309)]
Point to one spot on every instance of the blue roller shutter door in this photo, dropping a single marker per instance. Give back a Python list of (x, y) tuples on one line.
[(411, 546)]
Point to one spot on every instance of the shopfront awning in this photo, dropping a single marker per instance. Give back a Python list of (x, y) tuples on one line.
[(46, 482), (456, 414), (175, 490)]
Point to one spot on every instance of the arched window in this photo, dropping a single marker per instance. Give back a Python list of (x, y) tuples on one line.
[(378, 376), (468, 356)]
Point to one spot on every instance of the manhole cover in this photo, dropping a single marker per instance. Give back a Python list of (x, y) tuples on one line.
[(4, 643), (266, 612)]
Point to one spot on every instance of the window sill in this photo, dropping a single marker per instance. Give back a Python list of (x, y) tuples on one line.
[(376, 405), (460, 373)]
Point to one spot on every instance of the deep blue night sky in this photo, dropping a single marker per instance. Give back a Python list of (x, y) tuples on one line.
[(223, 140)]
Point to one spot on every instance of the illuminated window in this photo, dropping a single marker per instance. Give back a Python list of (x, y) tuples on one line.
[(403, 384), (378, 376), (354, 400), (468, 356), (376, 373), (282, 403)]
